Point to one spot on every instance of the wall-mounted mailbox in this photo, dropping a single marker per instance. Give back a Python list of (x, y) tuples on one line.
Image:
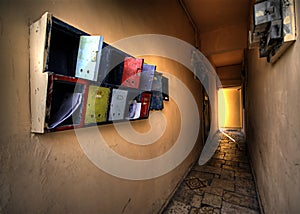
[(165, 88), (97, 105), (117, 104), (147, 77), (78, 80), (111, 65), (66, 97), (132, 72), (89, 55), (157, 96), (53, 48), (145, 101), (274, 28)]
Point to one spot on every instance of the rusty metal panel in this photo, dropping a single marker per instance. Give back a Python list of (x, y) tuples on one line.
[(97, 104), (132, 72)]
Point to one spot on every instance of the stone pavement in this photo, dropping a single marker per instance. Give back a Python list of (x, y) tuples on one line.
[(223, 185)]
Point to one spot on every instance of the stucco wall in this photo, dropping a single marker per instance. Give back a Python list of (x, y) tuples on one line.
[(273, 103), (50, 173)]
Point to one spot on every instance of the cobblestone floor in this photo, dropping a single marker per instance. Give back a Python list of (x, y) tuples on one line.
[(223, 185)]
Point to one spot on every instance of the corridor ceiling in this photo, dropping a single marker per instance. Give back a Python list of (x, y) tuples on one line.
[(222, 27)]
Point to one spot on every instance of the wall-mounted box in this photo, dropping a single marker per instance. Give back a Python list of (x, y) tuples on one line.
[(74, 79), (273, 28), (145, 100), (60, 43), (264, 13), (147, 77), (133, 105), (111, 65), (289, 29), (89, 55), (157, 101), (97, 105), (53, 47), (165, 88), (117, 105), (157, 82), (132, 72), (66, 102), (157, 91)]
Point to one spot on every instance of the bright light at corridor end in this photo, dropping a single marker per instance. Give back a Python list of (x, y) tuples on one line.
[(108, 160), (230, 108), (223, 108)]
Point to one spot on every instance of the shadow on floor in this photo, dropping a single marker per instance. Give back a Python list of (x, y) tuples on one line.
[(223, 185)]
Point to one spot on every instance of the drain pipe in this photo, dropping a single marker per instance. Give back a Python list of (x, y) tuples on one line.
[(187, 13)]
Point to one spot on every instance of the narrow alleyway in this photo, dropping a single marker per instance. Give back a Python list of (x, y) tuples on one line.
[(223, 185)]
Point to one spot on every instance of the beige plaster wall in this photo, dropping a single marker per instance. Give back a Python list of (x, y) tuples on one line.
[(224, 39), (273, 103), (50, 173), (230, 75)]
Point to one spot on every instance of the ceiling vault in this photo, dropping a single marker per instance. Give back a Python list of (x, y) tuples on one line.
[(221, 32)]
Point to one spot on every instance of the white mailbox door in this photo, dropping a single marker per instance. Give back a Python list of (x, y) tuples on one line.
[(117, 105), (89, 55)]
